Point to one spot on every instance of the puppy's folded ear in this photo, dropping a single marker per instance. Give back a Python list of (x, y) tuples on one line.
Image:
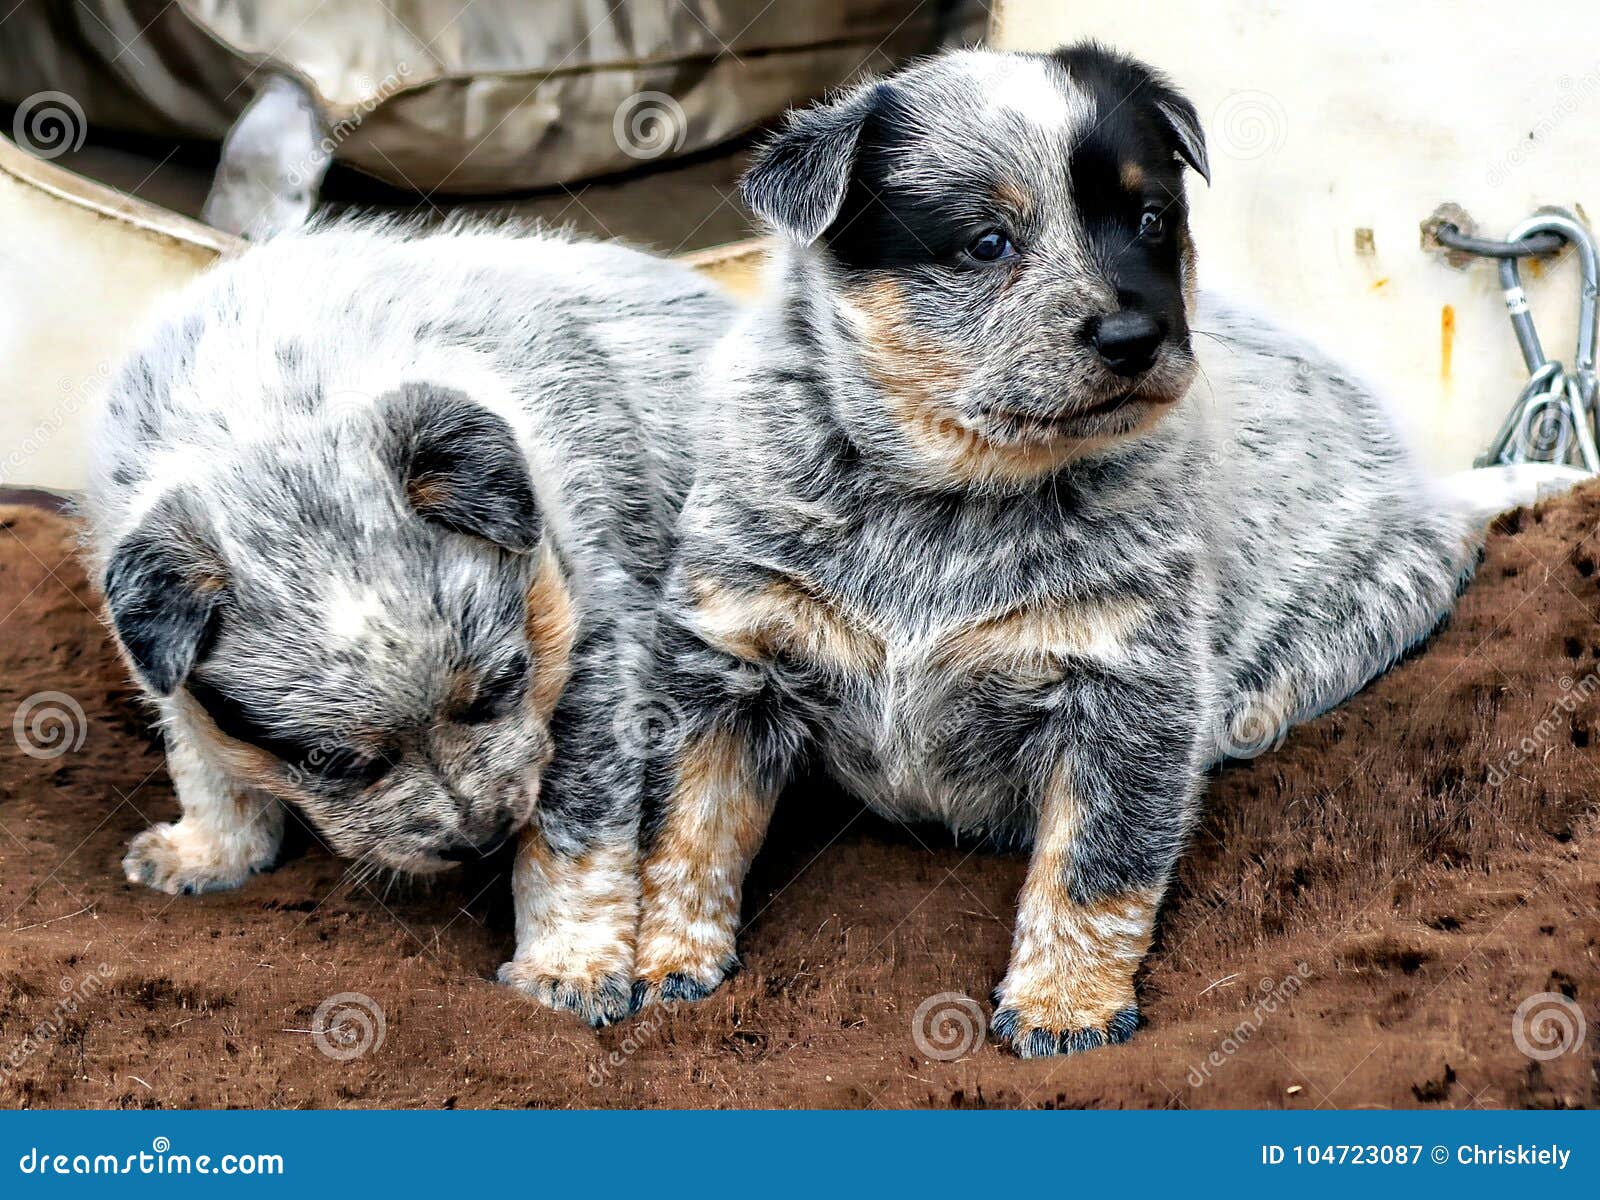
[(798, 180), (165, 586), (460, 466), (1122, 80), (1185, 123)]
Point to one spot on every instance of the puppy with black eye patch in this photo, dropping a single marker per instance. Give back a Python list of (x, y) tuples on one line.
[(378, 518), (973, 530)]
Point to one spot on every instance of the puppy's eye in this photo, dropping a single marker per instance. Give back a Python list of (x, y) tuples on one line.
[(991, 246), (498, 692), (1152, 224), (343, 765)]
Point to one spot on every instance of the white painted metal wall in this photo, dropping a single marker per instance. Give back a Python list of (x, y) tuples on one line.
[(1326, 119)]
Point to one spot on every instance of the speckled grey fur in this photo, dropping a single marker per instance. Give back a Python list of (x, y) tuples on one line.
[(251, 518), (1184, 580)]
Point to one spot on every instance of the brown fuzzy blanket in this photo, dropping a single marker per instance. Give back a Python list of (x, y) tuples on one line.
[(1363, 914)]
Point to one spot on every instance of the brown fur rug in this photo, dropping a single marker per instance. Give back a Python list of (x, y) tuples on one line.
[(1364, 911)]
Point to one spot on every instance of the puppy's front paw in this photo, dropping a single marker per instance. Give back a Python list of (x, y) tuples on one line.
[(183, 858), (599, 997), (676, 967), (1040, 1018)]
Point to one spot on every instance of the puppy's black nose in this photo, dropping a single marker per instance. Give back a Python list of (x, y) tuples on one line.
[(1127, 341), (483, 847)]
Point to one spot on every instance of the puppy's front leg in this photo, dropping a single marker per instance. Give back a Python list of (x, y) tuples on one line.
[(1113, 816), (712, 823), (576, 880), (227, 832)]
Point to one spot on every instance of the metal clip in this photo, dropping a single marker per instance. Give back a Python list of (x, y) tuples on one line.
[(1553, 392)]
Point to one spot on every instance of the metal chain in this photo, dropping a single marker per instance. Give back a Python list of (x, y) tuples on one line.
[(1554, 415)]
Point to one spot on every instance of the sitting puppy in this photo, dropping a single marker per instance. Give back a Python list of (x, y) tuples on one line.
[(985, 529), (377, 520)]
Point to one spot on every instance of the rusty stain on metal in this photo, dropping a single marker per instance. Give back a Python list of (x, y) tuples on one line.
[(1447, 339), (1452, 214)]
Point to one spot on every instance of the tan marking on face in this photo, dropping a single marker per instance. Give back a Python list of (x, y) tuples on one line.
[(1009, 195), (1037, 642), (693, 878), (1072, 964), (916, 375), (552, 626), (576, 914), (1133, 177), (785, 616)]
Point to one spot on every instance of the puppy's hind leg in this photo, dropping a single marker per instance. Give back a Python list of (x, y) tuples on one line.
[(576, 880), (227, 832)]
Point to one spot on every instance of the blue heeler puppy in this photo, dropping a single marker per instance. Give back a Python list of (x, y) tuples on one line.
[(1007, 527), (378, 519)]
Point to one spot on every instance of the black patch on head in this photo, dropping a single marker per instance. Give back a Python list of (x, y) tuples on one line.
[(879, 225), (1140, 100), (165, 593), (1127, 178), (460, 466)]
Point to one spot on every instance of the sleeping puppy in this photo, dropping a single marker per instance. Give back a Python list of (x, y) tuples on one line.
[(377, 520), (986, 527)]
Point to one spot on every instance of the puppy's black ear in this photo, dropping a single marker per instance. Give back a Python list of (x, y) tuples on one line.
[(798, 180), (1119, 80), (165, 587), (460, 466), (1185, 123)]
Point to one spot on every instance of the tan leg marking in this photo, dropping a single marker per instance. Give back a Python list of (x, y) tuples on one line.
[(785, 616), (916, 374), (552, 626), (231, 826), (1037, 643), (694, 876), (576, 921), (1072, 965)]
